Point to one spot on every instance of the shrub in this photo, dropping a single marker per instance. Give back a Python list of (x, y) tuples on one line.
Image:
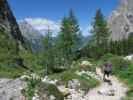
[(32, 86), (107, 56), (119, 63), (49, 89)]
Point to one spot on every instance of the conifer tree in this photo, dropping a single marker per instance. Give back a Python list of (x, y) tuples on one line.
[(8, 49), (100, 34), (77, 36), (48, 53), (66, 41)]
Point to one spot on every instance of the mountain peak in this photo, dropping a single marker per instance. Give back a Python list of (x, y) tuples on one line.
[(43, 25), (121, 20)]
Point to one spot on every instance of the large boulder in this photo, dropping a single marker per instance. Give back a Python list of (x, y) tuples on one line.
[(11, 89), (65, 91)]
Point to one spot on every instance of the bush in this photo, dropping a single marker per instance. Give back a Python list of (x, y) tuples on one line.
[(48, 90), (32, 86), (119, 63), (107, 56), (36, 86)]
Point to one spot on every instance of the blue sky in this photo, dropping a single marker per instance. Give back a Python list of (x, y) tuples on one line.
[(55, 10)]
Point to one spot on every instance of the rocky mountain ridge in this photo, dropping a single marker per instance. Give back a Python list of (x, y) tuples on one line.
[(8, 23), (33, 37), (121, 20)]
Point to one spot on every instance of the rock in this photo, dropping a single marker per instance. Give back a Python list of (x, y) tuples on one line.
[(11, 89), (35, 97), (64, 91), (25, 77), (44, 97), (8, 22), (129, 57), (35, 76), (120, 21), (47, 80), (32, 36), (73, 84), (111, 93), (31, 76), (52, 97), (106, 92), (85, 64)]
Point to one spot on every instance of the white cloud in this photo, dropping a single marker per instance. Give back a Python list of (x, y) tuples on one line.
[(86, 30), (43, 24)]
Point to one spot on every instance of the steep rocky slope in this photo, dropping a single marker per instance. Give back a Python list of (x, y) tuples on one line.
[(8, 22), (121, 20), (11, 39)]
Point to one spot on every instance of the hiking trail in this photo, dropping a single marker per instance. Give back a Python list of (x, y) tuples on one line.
[(105, 91)]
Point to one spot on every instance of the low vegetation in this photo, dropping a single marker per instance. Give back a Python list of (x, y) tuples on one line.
[(86, 82), (43, 90)]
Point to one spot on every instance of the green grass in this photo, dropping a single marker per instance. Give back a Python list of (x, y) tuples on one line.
[(11, 72), (126, 75)]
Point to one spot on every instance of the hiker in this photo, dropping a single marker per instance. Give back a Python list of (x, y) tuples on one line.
[(107, 70)]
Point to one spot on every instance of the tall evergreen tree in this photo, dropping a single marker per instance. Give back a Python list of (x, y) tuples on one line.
[(100, 34), (130, 43), (48, 53), (69, 38), (66, 41), (77, 36)]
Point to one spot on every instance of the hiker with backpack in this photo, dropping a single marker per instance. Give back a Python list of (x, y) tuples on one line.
[(107, 69)]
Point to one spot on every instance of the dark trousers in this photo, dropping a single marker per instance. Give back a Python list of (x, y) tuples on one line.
[(106, 73)]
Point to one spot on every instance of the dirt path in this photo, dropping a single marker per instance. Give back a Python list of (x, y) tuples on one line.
[(105, 91)]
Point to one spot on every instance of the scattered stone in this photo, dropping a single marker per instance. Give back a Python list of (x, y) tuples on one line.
[(85, 64), (129, 57), (73, 84), (106, 92), (47, 80), (52, 97), (31, 76), (36, 97), (25, 77), (64, 91), (111, 93)]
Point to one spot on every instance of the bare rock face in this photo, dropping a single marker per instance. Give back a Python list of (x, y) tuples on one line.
[(121, 20), (11, 89), (8, 22)]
